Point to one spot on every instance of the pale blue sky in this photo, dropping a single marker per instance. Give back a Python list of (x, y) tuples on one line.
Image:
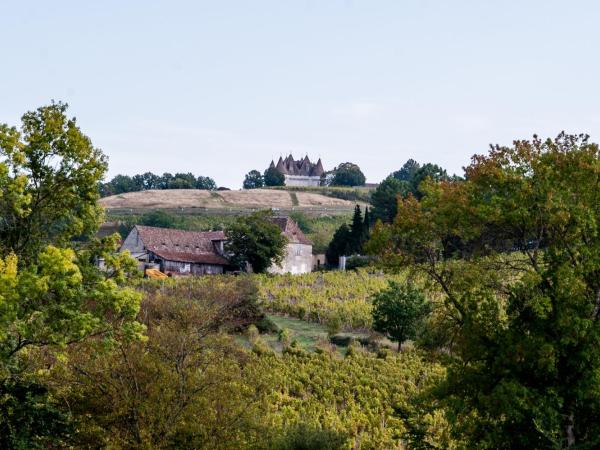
[(221, 87)]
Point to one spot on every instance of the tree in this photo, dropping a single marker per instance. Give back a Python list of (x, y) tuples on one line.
[(408, 171), (367, 224), (357, 230), (253, 180), (524, 325), (347, 174), (398, 312), (154, 393), (256, 240), (122, 183), (150, 180), (166, 181), (340, 245), (431, 171), (183, 181), (273, 177), (51, 294), (385, 198), (206, 183)]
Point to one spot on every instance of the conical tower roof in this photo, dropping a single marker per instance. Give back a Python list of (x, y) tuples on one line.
[(317, 169), (281, 166)]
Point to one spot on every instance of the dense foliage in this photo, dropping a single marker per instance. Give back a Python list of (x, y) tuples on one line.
[(384, 199), (253, 180), (347, 174), (190, 385), (399, 184), (51, 294), (349, 240), (256, 241), (523, 327), (398, 312), (273, 177), (142, 182), (186, 386)]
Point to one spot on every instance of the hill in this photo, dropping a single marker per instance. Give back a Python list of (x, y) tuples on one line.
[(247, 199)]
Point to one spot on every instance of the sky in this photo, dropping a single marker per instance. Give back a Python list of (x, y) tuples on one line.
[(220, 87)]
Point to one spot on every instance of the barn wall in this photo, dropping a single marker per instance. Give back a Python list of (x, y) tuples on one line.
[(206, 269), (133, 243), (191, 268)]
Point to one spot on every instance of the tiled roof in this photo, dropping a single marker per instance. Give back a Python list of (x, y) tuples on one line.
[(201, 258), (291, 230), (304, 167), (181, 245)]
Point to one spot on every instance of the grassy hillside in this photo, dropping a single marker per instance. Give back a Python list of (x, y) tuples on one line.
[(352, 194), (196, 199)]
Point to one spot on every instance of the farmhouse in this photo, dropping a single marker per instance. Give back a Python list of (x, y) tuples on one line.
[(300, 173), (298, 256), (177, 252)]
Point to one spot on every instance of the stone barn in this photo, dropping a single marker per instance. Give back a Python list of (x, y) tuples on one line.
[(298, 256), (178, 252)]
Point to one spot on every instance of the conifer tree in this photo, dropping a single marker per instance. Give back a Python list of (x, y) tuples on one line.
[(366, 225), (339, 245), (356, 230)]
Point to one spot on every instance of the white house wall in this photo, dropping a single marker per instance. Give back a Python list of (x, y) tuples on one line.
[(298, 259), (302, 180)]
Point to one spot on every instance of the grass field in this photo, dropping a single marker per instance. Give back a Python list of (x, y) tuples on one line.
[(308, 336), (223, 200)]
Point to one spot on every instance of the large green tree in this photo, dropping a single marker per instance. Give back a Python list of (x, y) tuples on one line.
[(206, 183), (273, 177), (523, 326), (384, 199), (256, 240), (407, 171), (426, 171), (253, 180), (51, 294), (347, 174), (398, 312)]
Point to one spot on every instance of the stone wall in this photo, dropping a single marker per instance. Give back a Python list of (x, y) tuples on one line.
[(298, 259)]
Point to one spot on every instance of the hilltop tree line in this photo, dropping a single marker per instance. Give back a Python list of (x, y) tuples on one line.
[(142, 182)]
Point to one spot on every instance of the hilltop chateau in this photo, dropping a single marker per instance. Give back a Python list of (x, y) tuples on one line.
[(300, 173)]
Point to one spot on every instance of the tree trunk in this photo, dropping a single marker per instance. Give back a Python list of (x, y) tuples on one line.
[(570, 430)]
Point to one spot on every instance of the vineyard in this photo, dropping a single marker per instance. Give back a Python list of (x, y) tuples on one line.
[(332, 298), (356, 396)]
